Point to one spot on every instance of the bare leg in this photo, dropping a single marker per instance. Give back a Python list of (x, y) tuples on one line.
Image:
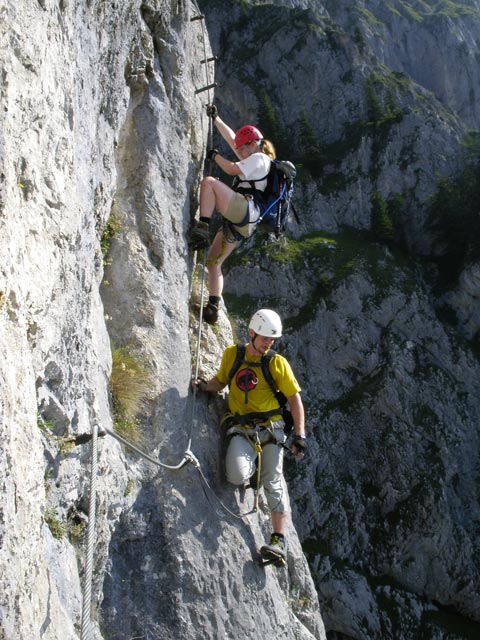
[(279, 521), (218, 253), (214, 195)]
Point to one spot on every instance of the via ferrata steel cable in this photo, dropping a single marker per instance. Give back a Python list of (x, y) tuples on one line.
[(86, 631), (208, 87)]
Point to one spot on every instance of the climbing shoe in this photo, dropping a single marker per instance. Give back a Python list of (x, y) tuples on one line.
[(277, 543), (210, 313), (199, 235), (275, 552)]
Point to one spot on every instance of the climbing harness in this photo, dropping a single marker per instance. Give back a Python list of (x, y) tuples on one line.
[(258, 449), (275, 202), (234, 424), (208, 491)]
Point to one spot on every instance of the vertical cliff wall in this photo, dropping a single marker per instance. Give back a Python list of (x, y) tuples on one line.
[(100, 122), (63, 98)]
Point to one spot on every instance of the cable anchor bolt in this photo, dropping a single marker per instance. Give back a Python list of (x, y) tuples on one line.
[(190, 458)]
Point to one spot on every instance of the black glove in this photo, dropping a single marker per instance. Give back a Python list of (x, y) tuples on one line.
[(299, 443), (199, 384), (211, 153), (212, 111)]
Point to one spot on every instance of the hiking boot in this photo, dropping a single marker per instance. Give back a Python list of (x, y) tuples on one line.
[(275, 552), (199, 235), (277, 544), (210, 313)]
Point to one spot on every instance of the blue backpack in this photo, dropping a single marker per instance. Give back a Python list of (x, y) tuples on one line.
[(275, 202)]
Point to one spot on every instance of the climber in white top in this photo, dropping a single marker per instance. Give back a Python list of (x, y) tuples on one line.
[(235, 204)]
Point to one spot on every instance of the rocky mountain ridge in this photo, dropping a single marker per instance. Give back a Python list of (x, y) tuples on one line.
[(387, 509)]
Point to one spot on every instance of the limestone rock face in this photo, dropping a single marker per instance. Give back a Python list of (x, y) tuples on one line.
[(60, 112), (350, 102), (101, 122), (433, 45), (386, 505)]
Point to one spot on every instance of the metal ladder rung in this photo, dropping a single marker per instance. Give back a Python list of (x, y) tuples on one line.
[(209, 86)]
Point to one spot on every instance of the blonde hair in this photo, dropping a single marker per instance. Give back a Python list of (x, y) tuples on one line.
[(268, 149)]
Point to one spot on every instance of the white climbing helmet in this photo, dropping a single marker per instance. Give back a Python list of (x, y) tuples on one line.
[(266, 323)]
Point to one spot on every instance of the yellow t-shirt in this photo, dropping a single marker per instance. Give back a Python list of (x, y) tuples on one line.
[(249, 391)]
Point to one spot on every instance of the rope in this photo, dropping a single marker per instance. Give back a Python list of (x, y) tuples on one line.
[(197, 356), (208, 88), (87, 633), (187, 456), (258, 448), (205, 486)]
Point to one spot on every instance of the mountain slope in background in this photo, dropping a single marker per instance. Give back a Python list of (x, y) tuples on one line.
[(374, 102)]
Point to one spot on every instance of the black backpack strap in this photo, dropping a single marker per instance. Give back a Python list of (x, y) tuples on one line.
[(295, 213), (281, 397), (252, 190), (267, 374), (265, 362), (239, 358)]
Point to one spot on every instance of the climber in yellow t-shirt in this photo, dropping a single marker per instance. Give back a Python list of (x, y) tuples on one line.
[(255, 415)]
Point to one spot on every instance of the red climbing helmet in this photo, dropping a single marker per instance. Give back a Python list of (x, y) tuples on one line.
[(246, 134)]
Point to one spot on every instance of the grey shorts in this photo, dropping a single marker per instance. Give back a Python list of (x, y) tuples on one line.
[(240, 463)]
